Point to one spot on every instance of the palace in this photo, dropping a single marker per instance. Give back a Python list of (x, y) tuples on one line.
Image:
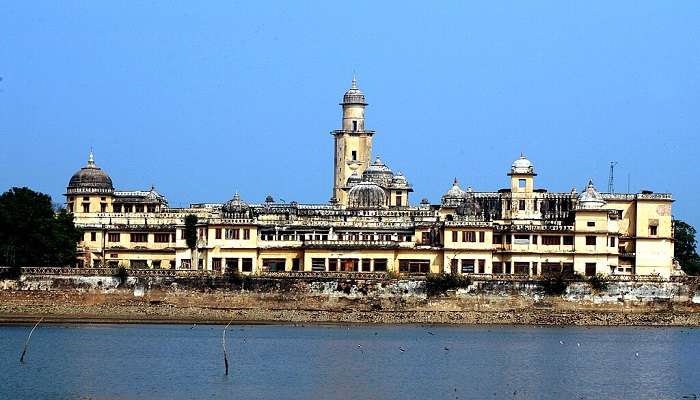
[(370, 225)]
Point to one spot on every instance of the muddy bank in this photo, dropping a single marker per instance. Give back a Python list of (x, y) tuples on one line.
[(219, 306)]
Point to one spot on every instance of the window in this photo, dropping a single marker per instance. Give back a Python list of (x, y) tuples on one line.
[(246, 234), (497, 268), (217, 233), (155, 264), (590, 240), (232, 234), (231, 265), (354, 155), (590, 223), (468, 236), (273, 264), (521, 183), (138, 264), (113, 237), (333, 264), (93, 236), (548, 267), (200, 264), (139, 208), (318, 264), (521, 239), (349, 265), (139, 237), (482, 236), (151, 208), (534, 239), (468, 266), (522, 268), (507, 269), (117, 208), (521, 205), (414, 266), (534, 205), (568, 268), (354, 126), (295, 264), (86, 198), (103, 207), (128, 208), (185, 263), (454, 236), (590, 269), (551, 240), (612, 241), (568, 240), (366, 265), (425, 237), (161, 237), (497, 239), (70, 207), (399, 199), (652, 230), (380, 265), (482, 266), (86, 207)]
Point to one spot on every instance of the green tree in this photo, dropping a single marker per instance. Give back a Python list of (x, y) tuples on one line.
[(685, 247), (191, 231), (32, 234)]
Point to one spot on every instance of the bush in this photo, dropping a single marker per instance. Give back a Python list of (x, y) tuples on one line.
[(11, 273), (235, 278), (122, 273), (598, 283), (439, 284)]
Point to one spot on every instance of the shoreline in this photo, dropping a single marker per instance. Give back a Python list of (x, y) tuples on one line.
[(189, 316)]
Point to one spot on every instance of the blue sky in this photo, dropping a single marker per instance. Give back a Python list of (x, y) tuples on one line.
[(203, 99)]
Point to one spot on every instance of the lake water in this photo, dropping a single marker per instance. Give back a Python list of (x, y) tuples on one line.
[(349, 362)]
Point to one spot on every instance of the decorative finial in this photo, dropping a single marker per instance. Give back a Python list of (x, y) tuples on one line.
[(522, 155), (455, 183), (91, 158), (354, 81)]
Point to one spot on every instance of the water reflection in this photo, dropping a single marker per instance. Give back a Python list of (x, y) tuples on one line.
[(339, 362)]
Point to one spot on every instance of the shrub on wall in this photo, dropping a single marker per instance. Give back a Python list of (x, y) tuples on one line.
[(439, 284)]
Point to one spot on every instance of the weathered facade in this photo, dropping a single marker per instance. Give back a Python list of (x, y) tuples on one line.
[(369, 225)]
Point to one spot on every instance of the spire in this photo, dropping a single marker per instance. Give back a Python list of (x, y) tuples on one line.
[(91, 159), (455, 183), (354, 81)]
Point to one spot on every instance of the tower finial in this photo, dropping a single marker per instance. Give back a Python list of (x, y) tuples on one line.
[(91, 158), (354, 81)]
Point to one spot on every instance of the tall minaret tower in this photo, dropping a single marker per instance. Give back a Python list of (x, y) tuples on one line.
[(353, 143)]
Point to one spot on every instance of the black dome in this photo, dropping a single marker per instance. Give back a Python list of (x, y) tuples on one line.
[(90, 178)]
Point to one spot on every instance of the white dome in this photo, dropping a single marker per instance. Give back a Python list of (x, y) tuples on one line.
[(455, 191), (590, 198), (366, 195), (522, 166)]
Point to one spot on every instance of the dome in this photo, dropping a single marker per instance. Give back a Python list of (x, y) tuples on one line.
[(378, 173), (366, 195), (522, 166), (353, 179), (399, 180), (590, 198), (90, 179), (152, 196), (354, 95), (455, 192), (235, 204)]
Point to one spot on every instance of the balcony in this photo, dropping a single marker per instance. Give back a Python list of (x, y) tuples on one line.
[(352, 244)]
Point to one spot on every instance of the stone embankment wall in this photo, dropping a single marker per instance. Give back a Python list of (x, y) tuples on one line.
[(167, 299)]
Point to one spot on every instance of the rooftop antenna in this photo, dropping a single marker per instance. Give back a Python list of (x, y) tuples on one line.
[(611, 177)]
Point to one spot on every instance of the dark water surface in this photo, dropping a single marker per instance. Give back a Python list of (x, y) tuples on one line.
[(325, 362)]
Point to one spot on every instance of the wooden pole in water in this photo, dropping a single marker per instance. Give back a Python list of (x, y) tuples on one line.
[(223, 344), (24, 351)]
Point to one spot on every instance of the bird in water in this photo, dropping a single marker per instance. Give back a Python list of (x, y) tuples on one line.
[(402, 349), (446, 348), (561, 342), (636, 354)]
